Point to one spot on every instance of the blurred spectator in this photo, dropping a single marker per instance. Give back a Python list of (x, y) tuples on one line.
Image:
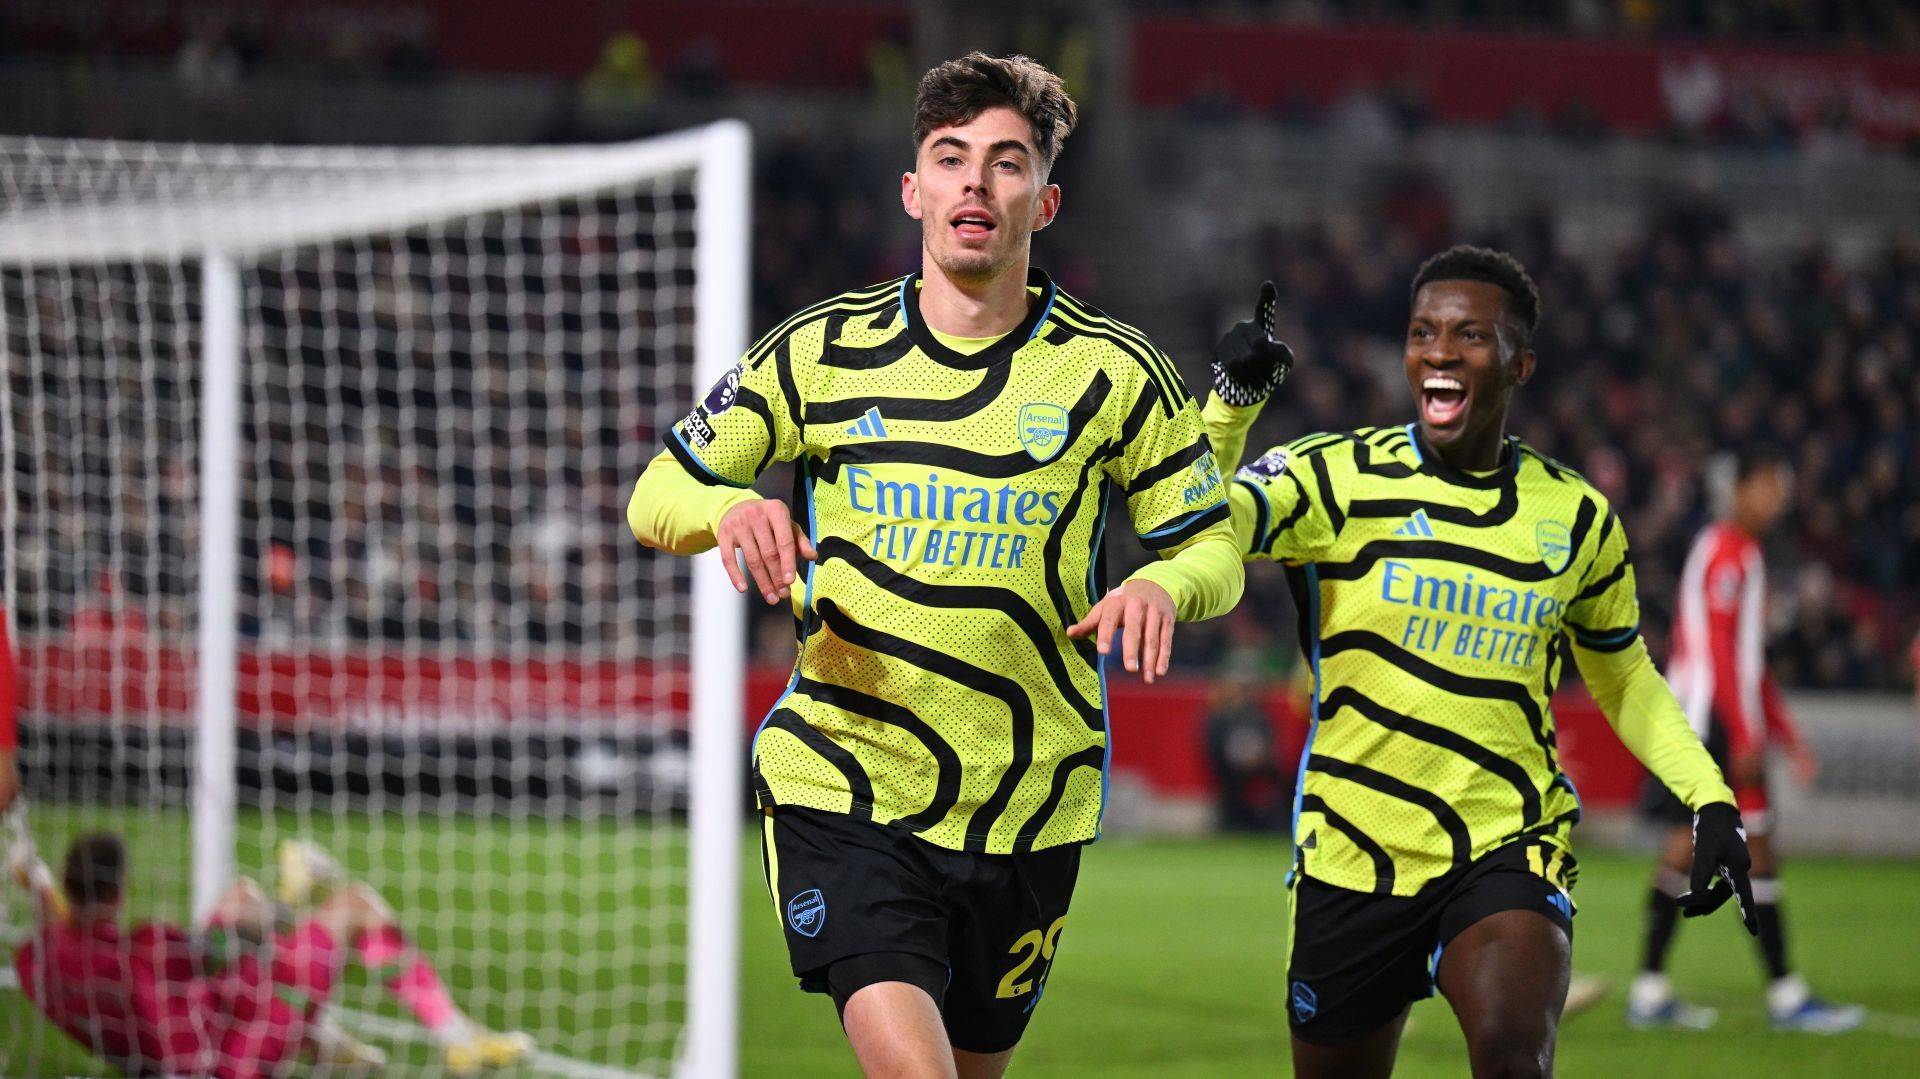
[(612, 99), (1253, 790), (207, 65)]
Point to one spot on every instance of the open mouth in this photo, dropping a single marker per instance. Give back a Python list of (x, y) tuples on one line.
[(972, 224), (1443, 399)]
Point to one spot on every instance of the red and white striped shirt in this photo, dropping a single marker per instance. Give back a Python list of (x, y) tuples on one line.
[(1718, 665)]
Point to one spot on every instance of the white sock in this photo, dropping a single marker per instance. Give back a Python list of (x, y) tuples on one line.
[(1650, 990), (455, 1031), (1786, 995)]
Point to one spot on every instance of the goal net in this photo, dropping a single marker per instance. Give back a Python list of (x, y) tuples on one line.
[(313, 527)]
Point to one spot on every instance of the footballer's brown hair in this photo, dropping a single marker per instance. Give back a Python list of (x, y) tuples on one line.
[(96, 869), (958, 90)]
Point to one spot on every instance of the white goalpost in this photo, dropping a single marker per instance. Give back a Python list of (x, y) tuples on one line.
[(312, 525)]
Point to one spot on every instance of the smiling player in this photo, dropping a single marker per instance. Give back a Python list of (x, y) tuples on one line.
[(1443, 571), (962, 434)]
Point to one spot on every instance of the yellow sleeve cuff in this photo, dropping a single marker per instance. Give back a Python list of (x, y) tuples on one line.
[(1203, 575), (677, 513)]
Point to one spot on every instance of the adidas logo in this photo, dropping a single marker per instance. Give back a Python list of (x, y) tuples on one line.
[(1416, 526), (870, 426)]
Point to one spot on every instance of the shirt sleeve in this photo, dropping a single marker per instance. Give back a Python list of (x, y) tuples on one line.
[(1279, 500), (1204, 575), (1166, 467), (1780, 723), (1636, 700), (673, 510), (749, 419), (1605, 615), (1735, 596)]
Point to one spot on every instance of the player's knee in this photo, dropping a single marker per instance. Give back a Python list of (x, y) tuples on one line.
[(1511, 1051)]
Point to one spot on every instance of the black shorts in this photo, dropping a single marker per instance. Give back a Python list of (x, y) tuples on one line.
[(1357, 959), (845, 888)]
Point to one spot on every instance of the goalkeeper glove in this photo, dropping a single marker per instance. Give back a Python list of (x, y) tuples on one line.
[(1720, 864), (1248, 364)]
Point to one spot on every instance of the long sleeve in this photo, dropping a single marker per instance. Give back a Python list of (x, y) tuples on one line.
[(1204, 575), (1728, 594), (1227, 427), (1273, 513), (1780, 723), (675, 512), (1643, 711)]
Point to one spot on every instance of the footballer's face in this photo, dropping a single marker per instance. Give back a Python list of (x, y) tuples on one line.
[(1762, 498), (1463, 361), (979, 190)]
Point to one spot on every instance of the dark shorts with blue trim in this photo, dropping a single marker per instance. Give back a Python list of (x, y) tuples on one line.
[(1358, 959), (978, 932)]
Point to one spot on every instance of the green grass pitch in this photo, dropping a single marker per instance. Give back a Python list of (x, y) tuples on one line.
[(1170, 964)]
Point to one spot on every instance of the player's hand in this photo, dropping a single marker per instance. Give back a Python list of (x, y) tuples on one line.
[(21, 853), (1141, 614), (9, 780), (764, 534), (1248, 364), (1746, 768), (1720, 865), (1806, 766)]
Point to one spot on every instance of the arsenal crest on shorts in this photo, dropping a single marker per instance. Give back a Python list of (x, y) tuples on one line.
[(807, 912)]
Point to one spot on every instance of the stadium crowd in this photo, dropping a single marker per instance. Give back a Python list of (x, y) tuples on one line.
[(1880, 23), (1655, 356)]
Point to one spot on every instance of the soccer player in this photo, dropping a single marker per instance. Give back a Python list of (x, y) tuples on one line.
[(1718, 672), (961, 434), (1443, 572), (241, 998)]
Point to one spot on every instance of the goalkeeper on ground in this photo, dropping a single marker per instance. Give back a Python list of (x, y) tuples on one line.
[(963, 435), (1444, 572), (245, 995)]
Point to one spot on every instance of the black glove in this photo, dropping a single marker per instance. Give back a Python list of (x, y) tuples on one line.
[(1720, 865), (1248, 364)]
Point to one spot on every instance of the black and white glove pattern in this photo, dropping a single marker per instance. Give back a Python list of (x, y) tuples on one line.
[(1248, 364)]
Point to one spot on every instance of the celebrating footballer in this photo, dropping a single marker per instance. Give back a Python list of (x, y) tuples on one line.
[(961, 435), (1443, 573)]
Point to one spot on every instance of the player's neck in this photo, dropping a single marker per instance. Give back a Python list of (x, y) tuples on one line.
[(1482, 452), (92, 913), (970, 308)]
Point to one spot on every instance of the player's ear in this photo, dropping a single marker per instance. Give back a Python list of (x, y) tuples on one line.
[(1522, 366), (910, 194), (1049, 207)]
